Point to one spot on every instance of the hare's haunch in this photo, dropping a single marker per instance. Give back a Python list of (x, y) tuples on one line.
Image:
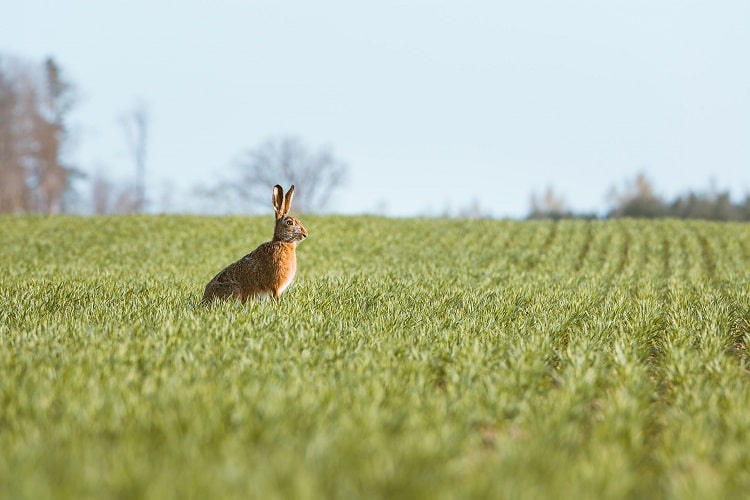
[(269, 269)]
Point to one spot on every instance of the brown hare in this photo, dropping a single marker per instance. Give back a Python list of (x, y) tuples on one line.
[(269, 269)]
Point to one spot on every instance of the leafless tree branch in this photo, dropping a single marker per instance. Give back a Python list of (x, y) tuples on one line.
[(285, 160)]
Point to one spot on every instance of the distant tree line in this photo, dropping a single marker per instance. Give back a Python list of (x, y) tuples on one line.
[(35, 141), (639, 200), (36, 177)]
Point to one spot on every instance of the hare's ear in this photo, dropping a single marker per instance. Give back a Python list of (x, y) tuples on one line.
[(278, 200), (288, 200)]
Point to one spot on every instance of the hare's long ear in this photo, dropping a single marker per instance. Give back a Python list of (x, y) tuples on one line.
[(288, 200), (278, 200)]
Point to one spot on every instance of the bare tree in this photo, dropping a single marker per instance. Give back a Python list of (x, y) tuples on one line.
[(135, 127), (286, 161), (57, 101), (12, 174), (102, 191), (111, 197), (34, 106), (549, 206)]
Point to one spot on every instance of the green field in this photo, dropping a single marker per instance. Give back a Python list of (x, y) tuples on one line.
[(416, 358)]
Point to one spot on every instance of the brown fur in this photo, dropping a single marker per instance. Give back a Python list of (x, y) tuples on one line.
[(270, 268)]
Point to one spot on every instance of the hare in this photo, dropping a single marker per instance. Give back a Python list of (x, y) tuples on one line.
[(269, 269)]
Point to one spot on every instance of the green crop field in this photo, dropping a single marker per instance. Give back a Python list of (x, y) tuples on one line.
[(416, 358)]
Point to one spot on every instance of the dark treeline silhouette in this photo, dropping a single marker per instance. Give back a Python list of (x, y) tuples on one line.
[(639, 200)]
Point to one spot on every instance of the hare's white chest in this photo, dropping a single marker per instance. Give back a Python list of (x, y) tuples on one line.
[(288, 277), (285, 284)]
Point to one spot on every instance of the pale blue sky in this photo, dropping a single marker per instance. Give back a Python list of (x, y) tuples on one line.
[(431, 103)]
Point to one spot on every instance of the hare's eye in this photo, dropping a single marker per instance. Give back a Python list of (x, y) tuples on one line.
[(289, 222)]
